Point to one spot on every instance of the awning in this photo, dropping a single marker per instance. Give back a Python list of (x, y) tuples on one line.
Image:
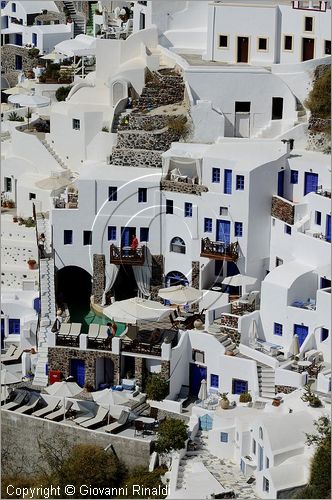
[(82, 45)]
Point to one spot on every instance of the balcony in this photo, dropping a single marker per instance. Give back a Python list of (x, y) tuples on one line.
[(323, 192), (138, 347), (218, 250), (182, 185), (127, 256), (283, 209), (309, 5)]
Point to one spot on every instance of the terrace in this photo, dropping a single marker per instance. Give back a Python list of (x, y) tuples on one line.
[(126, 256), (181, 175), (219, 250)]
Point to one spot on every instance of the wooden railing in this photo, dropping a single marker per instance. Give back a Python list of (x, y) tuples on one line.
[(125, 255), (219, 251), (140, 347)]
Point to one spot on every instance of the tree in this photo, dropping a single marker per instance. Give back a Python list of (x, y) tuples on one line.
[(172, 435), (62, 93), (144, 478), (156, 388)]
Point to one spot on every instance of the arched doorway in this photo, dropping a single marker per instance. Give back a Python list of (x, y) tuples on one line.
[(175, 278), (125, 285), (73, 287)]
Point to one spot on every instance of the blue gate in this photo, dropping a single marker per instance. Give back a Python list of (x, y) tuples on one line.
[(197, 374), (310, 182), (328, 228), (205, 423), (302, 332), (77, 370), (223, 232)]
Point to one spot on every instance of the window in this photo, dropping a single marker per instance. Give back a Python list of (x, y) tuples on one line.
[(214, 381), (273, 222), (227, 181), (242, 106), (260, 433), (240, 182), (8, 184), (267, 462), (318, 218), (288, 42), (288, 229), (13, 7), (87, 238), (224, 437), (188, 209), (238, 229), (142, 195), (207, 225), (324, 333), (34, 39), (223, 211), (198, 356), (223, 41), (278, 329), (111, 233), (14, 325), (178, 245), (3, 4), (76, 124), (32, 196), (144, 234), (327, 47), (254, 446), (262, 43), (215, 174), (266, 484), (239, 386), (112, 193), (18, 62), (294, 176), (277, 108), (308, 24), (169, 206), (279, 262), (68, 237)]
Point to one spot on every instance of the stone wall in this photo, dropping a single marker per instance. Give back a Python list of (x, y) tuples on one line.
[(286, 389), (156, 140), (319, 136), (98, 284), (139, 371), (195, 270), (283, 210), (165, 370), (138, 158), (160, 91), (228, 320), (59, 359), (157, 276), (8, 53), (140, 121), (21, 435), (182, 187)]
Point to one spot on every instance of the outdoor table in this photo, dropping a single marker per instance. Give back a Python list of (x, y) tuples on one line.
[(304, 364), (146, 420), (216, 288)]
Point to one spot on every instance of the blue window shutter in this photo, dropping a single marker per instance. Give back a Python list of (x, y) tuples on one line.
[(228, 181), (111, 232), (144, 234), (215, 174), (294, 177), (310, 182), (207, 225), (318, 218), (278, 329), (328, 228)]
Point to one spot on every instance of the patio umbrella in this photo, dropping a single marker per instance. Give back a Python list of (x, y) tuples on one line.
[(113, 400), (53, 56), (252, 334), (64, 389), (295, 346), (54, 182), (239, 280), (16, 90), (202, 394), (180, 294), (29, 101), (135, 310)]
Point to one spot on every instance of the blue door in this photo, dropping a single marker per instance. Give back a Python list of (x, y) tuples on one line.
[(125, 237), (2, 333), (223, 232), (77, 370), (18, 39), (34, 39), (36, 305), (281, 178), (205, 423), (328, 228), (260, 457), (197, 373), (310, 182), (302, 332)]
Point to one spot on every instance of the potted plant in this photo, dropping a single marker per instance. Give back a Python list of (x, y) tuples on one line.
[(224, 402), (245, 398), (32, 263), (310, 397), (276, 401)]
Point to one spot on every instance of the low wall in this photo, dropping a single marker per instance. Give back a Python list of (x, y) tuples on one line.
[(21, 434), (141, 158)]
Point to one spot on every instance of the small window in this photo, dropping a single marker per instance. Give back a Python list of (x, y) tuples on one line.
[(308, 24), (278, 329), (327, 47), (260, 433), (288, 42), (214, 380), (14, 326), (267, 462), (223, 211), (238, 229), (254, 446), (288, 229), (224, 437), (198, 356), (318, 218), (18, 62), (3, 4), (215, 174), (240, 182), (188, 209), (169, 206), (207, 225), (227, 181), (13, 7), (76, 124), (324, 333), (34, 37), (32, 196), (262, 44), (223, 41), (87, 238), (111, 233), (144, 234), (266, 484), (8, 184), (178, 245), (239, 386), (68, 237), (294, 176), (279, 262), (112, 193), (142, 195)]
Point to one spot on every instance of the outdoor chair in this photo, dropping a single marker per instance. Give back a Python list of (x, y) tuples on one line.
[(250, 300), (64, 330), (75, 331), (98, 420), (93, 331), (60, 413), (10, 351), (154, 412), (18, 401), (52, 406), (83, 418), (122, 422), (14, 358), (32, 403), (183, 394), (173, 322), (139, 427), (103, 337)]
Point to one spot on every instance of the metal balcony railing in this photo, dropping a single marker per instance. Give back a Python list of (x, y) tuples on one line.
[(125, 255), (219, 251)]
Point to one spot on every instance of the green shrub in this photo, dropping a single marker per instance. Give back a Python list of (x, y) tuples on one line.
[(105, 129), (156, 388), (178, 125), (172, 435), (145, 478), (245, 397), (319, 99), (62, 93), (13, 117), (33, 53)]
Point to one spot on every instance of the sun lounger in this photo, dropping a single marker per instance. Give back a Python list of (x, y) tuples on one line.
[(122, 422), (52, 406), (97, 420), (34, 400), (14, 358), (93, 331), (19, 400), (102, 335), (75, 330), (10, 351), (83, 418), (64, 330), (58, 414)]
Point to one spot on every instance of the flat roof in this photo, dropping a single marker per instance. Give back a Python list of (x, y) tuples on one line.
[(101, 172), (52, 28)]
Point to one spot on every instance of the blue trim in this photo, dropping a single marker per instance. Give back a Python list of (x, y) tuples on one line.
[(294, 176), (240, 182), (214, 380), (215, 175), (111, 233), (227, 181), (277, 329)]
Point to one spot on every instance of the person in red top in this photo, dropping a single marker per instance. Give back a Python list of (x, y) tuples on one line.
[(134, 244)]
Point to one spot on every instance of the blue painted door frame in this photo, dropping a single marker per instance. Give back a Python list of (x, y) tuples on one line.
[(197, 373), (302, 332), (77, 370), (223, 231), (310, 182)]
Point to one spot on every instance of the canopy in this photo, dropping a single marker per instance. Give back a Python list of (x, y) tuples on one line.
[(30, 100), (136, 309), (52, 183), (53, 56), (82, 45), (202, 395), (8, 378), (64, 389), (107, 397), (180, 294), (239, 280)]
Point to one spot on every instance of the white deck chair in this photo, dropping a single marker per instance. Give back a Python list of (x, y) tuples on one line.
[(93, 331), (10, 351), (115, 427), (52, 406), (83, 418), (58, 414), (75, 330), (98, 419), (34, 400), (19, 399), (64, 330), (14, 358)]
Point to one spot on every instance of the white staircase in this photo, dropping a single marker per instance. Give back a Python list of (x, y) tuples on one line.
[(47, 305), (54, 154), (78, 19), (266, 381)]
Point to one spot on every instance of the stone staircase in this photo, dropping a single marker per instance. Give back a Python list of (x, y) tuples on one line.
[(266, 381), (78, 19), (54, 154), (47, 304)]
